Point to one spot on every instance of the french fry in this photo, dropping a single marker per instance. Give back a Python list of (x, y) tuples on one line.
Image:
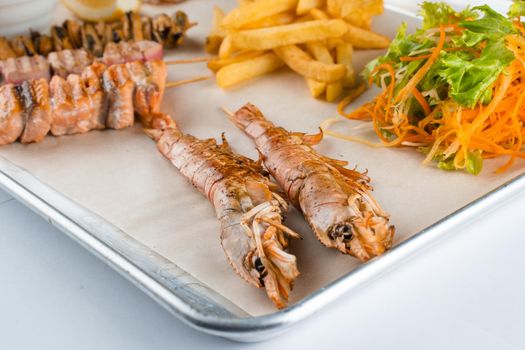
[(302, 63), (317, 88), (256, 10), (214, 40), (344, 53), (333, 91), (314, 38), (321, 53), (319, 14), (334, 7), (319, 50), (275, 20), (289, 34), (360, 12), (238, 72), (304, 6), (218, 63), (369, 7), (226, 49), (360, 19), (365, 39), (331, 44)]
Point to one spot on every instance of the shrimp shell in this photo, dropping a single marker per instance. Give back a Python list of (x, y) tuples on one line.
[(249, 213), (335, 201)]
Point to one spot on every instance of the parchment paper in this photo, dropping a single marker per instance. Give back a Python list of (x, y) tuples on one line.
[(120, 175)]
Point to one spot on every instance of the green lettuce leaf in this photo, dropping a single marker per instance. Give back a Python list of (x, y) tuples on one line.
[(517, 9), (436, 13), (470, 79)]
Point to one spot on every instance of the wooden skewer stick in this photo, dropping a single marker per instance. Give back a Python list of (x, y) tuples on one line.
[(187, 81), (189, 60)]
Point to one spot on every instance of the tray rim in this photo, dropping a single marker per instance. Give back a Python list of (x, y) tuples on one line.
[(250, 328), (222, 322)]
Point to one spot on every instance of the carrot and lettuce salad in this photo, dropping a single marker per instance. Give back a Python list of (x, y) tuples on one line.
[(455, 89)]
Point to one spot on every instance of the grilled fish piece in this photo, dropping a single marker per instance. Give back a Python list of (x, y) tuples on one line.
[(72, 29), (42, 43), (179, 26), (23, 46), (149, 80), (100, 28), (146, 28), (118, 86), (161, 25), (67, 62), (63, 107), (132, 26), (92, 83), (122, 52), (90, 40), (5, 49), (61, 40), (86, 119), (18, 70), (11, 114), (37, 110)]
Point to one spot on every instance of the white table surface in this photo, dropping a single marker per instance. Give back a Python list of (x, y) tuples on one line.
[(465, 292)]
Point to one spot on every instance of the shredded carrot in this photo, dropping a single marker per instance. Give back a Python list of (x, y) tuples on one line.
[(421, 100), (447, 130)]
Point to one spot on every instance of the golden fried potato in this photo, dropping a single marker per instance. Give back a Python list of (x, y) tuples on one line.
[(344, 53), (218, 63), (275, 20), (302, 63), (317, 88), (365, 39), (333, 91), (226, 49), (321, 53), (214, 40), (304, 6), (334, 7), (256, 10), (269, 38), (238, 72)]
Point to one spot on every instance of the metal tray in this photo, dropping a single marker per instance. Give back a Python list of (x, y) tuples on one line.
[(194, 302)]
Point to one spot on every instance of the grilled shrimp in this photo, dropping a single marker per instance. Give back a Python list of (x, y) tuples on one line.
[(335, 201), (249, 211)]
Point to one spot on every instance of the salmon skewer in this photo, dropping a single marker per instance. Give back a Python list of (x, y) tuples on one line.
[(98, 98), (335, 201), (16, 70), (247, 207)]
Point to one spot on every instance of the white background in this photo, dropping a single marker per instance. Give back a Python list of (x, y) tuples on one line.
[(466, 291)]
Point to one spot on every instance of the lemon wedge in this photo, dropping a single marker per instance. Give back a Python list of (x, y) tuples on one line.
[(96, 10)]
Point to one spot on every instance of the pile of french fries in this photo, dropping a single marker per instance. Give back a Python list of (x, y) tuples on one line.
[(315, 38)]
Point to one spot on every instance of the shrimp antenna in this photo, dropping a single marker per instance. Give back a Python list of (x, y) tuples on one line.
[(189, 60), (187, 81)]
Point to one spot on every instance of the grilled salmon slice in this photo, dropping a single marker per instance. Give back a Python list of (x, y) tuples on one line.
[(119, 88), (11, 114), (37, 110)]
